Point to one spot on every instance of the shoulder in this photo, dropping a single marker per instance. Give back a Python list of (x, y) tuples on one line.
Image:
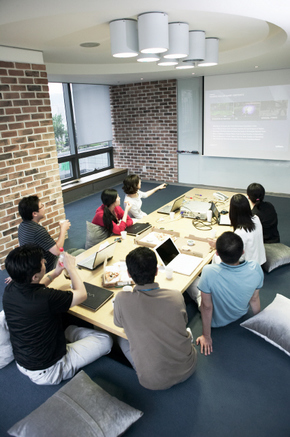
[(257, 221), (119, 210)]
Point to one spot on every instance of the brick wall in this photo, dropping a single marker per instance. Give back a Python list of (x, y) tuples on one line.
[(28, 158), (144, 118)]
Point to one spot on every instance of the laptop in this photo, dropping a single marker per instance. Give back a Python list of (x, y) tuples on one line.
[(167, 209), (138, 228), (180, 263), (97, 258), (222, 219), (97, 296)]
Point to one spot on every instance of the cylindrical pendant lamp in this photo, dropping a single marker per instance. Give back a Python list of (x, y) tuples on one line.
[(164, 62), (178, 40), (124, 38), (196, 45), (148, 57), (182, 65), (211, 53), (153, 32)]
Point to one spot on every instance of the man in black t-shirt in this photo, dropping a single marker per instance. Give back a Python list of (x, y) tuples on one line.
[(33, 314), (32, 211)]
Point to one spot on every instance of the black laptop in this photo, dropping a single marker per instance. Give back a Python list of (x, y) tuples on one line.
[(97, 296), (138, 228)]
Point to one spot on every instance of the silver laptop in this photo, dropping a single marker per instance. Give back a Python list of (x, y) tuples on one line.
[(97, 258), (179, 262), (222, 219), (167, 209)]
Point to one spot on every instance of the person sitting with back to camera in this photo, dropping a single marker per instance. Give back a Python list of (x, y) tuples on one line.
[(110, 215), (131, 187), (159, 345), (265, 211), (248, 227), (43, 350), (226, 289)]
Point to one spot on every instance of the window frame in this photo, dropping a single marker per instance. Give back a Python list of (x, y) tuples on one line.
[(74, 156)]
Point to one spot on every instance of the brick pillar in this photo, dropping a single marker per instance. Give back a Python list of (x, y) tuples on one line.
[(28, 157), (144, 121)]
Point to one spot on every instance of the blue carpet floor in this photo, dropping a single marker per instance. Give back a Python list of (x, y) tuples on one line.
[(241, 390)]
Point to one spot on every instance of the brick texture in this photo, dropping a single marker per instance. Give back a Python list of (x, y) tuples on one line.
[(28, 159), (144, 119)]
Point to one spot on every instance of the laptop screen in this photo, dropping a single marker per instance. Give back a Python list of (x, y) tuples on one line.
[(214, 211), (167, 251)]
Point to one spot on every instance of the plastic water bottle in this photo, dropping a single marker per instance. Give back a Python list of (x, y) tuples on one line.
[(60, 259)]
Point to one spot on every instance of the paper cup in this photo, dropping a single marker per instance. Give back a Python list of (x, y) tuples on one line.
[(124, 235), (168, 272)]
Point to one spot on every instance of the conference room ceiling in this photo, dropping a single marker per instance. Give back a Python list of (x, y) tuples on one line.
[(254, 36)]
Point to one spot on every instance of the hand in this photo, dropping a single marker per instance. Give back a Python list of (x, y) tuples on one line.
[(212, 243), (64, 225), (69, 262), (205, 344), (8, 280), (58, 269), (128, 205), (162, 186)]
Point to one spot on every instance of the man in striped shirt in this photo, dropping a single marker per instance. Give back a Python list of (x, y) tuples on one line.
[(32, 211)]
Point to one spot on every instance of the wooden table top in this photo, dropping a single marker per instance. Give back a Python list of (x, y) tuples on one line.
[(103, 317)]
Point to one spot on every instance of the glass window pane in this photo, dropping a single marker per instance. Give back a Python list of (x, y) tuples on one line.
[(94, 146), (59, 119), (92, 163), (65, 170)]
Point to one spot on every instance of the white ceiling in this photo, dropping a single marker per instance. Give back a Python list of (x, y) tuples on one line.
[(254, 35)]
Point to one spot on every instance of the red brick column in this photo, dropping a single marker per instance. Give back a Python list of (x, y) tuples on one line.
[(28, 157), (144, 118)]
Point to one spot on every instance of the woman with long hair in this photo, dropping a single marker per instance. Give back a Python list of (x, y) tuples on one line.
[(265, 211), (248, 227), (131, 187), (110, 215)]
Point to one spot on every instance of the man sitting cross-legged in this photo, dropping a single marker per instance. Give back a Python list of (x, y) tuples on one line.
[(33, 314), (227, 289), (154, 320)]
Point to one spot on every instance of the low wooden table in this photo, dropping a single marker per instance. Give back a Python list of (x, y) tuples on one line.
[(103, 317)]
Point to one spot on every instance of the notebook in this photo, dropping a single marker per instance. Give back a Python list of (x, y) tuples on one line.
[(97, 258), (138, 228), (180, 263), (97, 296), (167, 209), (222, 219)]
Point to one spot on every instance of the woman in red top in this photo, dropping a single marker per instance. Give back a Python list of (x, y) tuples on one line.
[(110, 215)]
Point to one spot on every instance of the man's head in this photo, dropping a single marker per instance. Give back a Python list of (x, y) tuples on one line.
[(30, 207), (142, 265), (26, 264), (230, 247)]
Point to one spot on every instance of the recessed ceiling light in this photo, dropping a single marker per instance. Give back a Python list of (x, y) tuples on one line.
[(90, 45)]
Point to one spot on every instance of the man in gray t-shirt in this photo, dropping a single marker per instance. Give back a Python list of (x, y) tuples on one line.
[(32, 211), (159, 346)]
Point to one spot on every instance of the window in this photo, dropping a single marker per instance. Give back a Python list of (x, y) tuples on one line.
[(82, 127)]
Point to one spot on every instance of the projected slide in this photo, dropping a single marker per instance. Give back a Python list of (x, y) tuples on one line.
[(252, 122)]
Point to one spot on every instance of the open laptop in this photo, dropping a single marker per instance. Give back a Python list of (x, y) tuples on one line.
[(97, 296), (222, 219), (138, 228), (180, 263), (97, 258), (167, 209)]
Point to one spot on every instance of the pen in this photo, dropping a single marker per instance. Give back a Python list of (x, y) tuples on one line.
[(198, 194)]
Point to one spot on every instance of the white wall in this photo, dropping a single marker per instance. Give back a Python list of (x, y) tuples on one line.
[(222, 172)]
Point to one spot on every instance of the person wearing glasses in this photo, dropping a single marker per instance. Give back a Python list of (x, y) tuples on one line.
[(32, 211)]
